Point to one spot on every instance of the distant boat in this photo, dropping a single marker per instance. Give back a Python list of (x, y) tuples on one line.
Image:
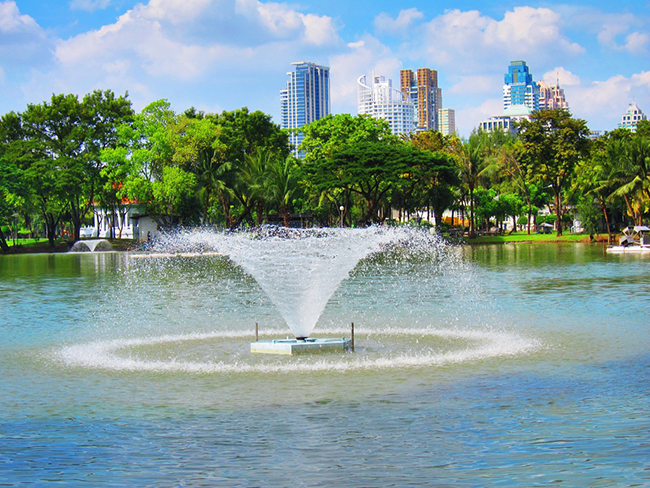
[(635, 239)]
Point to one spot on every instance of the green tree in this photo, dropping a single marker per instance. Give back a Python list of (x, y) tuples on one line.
[(137, 163), (554, 143), (630, 174), (471, 162)]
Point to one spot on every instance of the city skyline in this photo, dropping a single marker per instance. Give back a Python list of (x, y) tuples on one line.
[(222, 55)]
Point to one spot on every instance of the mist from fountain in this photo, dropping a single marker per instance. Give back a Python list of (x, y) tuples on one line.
[(300, 269)]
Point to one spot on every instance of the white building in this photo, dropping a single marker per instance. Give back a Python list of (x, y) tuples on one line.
[(130, 223), (447, 121), (507, 120), (382, 101), (632, 117)]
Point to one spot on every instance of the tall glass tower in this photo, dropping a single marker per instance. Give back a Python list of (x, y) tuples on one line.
[(306, 98), (519, 87)]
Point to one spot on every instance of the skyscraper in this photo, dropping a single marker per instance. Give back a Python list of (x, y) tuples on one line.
[(423, 90), (519, 88), (551, 97), (306, 98), (382, 101)]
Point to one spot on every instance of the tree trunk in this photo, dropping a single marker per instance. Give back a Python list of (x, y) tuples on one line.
[(4, 247), (471, 213), (603, 207), (558, 211), (50, 229)]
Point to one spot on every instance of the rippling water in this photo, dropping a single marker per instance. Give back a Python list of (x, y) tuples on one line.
[(513, 365)]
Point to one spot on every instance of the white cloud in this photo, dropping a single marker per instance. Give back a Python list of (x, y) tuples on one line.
[(363, 57), (174, 11), (22, 40), (89, 5), (153, 38), (637, 43), (11, 19), (565, 77), (319, 30), (606, 101), (283, 22), (478, 39), (384, 23)]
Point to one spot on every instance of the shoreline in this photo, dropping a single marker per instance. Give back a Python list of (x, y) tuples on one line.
[(129, 245)]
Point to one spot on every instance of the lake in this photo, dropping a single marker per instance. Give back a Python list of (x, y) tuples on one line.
[(500, 365)]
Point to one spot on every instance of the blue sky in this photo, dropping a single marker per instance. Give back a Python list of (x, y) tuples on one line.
[(224, 54)]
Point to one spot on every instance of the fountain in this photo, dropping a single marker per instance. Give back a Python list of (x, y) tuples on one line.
[(298, 269), (91, 245)]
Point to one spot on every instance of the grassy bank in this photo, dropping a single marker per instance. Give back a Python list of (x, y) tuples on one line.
[(534, 237)]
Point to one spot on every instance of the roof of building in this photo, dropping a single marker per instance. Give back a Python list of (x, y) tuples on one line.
[(517, 110)]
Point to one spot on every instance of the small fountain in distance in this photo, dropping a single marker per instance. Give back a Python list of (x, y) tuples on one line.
[(91, 245), (299, 269)]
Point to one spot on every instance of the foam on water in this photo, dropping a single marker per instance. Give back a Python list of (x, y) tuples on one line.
[(110, 355)]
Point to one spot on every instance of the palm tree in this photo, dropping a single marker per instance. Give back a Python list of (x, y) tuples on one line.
[(630, 174), (471, 159), (282, 184)]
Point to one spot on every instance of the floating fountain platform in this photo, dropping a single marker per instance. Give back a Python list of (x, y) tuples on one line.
[(289, 347)]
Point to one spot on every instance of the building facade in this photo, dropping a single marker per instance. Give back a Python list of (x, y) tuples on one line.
[(519, 87), (422, 88), (381, 101), (447, 121), (305, 99), (551, 97), (507, 121), (632, 117)]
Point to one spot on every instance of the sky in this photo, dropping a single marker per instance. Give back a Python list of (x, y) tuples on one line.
[(219, 55)]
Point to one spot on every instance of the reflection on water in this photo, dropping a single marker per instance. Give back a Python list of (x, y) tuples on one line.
[(548, 386)]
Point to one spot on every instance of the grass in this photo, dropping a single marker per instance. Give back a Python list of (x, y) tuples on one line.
[(522, 236)]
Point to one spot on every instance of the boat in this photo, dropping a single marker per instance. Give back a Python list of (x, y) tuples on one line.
[(634, 240)]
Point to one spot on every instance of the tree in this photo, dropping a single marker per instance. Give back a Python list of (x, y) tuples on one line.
[(328, 134), (471, 162), (136, 164), (630, 175), (373, 170), (325, 135), (244, 135), (102, 114), (11, 184), (553, 145), (282, 185), (197, 148)]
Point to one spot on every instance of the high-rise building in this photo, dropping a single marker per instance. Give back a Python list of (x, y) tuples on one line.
[(551, 97), (519, 88), (306, 98), (447, 121), (423, 90), (381, 101), (632, 117)]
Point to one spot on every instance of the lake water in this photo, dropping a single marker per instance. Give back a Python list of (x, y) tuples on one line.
[(509, 365)]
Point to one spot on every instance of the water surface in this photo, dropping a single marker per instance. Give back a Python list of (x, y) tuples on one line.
[(513, 365)]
